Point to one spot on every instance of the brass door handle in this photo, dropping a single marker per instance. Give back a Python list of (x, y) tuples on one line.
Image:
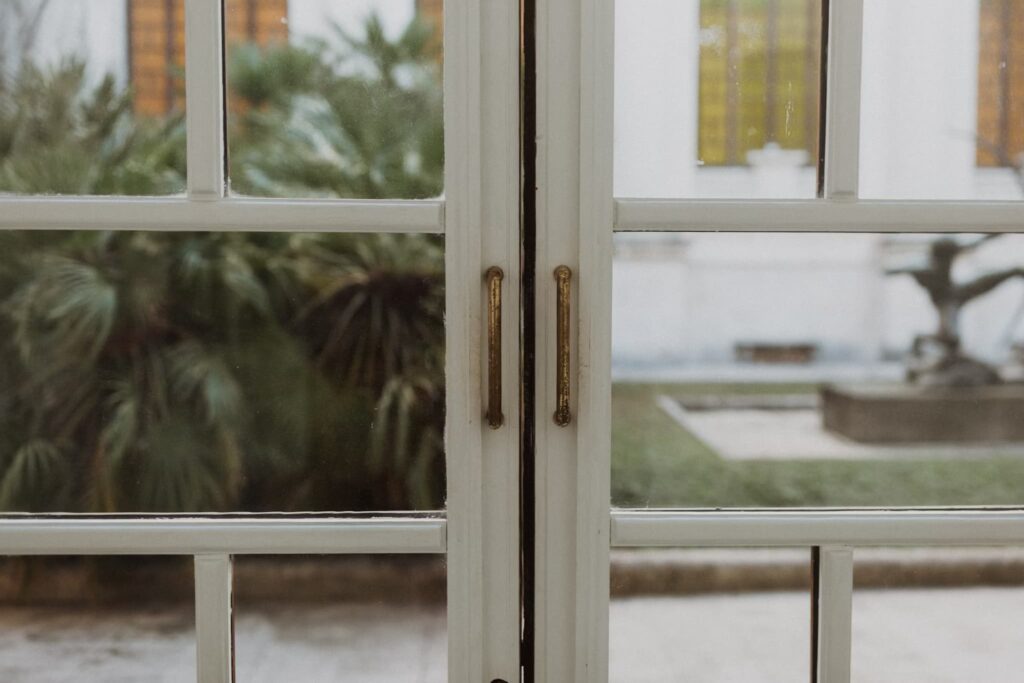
[(563, 275), (494, 276)]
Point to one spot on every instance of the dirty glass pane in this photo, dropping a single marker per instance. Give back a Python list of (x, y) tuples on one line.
[(365, 619), (710, 615), (717, 98), (335, 99), (92, 97), (188, 372), (943, 615), (97, 619), (806, 370), (942, 100)]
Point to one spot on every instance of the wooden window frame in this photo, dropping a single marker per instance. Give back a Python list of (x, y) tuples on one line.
[(479, 218), (577, 217)]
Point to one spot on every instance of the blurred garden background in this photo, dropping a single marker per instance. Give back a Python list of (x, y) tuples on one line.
[(144, 371)]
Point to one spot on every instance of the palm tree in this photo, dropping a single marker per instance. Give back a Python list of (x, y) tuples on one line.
[(58, 135), (355, 117), (209, 371)]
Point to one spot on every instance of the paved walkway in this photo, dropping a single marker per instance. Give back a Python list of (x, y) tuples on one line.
[(751, 434), (933, 636)]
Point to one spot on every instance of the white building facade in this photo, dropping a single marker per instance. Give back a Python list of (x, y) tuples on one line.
[(690, 300)]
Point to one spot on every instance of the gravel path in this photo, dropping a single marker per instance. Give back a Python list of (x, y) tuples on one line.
[(938, 636)]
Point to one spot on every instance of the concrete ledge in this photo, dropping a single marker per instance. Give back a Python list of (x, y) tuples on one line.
[(682, 572), (899, 413), (421, 580)]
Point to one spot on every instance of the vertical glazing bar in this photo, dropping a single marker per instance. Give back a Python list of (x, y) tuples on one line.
[(835, 614), (204, 98), (842, 108), (215, 661), (481, 198)]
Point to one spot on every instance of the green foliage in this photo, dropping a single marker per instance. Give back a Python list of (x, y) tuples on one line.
[(350, 117), (58, 135), (227, 371)]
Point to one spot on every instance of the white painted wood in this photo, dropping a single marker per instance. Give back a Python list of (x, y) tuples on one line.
[(214, 638), (236, 214), (815, 215), (558, 220), (835, 614), (793, 528), (574, 228), (69, 535), (842, 108), (204, 98), (594, 322), (481, 229)]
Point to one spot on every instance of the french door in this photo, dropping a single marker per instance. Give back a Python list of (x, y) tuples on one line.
[(341, 372), (230, 348), (710, 242)]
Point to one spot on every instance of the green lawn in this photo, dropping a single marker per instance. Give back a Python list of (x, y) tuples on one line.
[(657, 463)]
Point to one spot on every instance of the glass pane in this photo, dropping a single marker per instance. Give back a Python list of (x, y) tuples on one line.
[(188, 372), (817, 370), (92, 97), (362, 619), (717, 98), (943, 615), (97, 619), (942, 110), (715, 616), (335, 99)]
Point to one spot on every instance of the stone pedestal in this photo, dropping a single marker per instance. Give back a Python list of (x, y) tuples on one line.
[(900, 413)]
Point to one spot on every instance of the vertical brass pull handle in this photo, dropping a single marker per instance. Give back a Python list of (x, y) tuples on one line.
[(563, 275), (494, 276)]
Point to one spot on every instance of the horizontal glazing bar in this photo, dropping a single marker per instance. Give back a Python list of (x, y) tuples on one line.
[(240, 215), (233, 536), (814, 215), (667, 528)]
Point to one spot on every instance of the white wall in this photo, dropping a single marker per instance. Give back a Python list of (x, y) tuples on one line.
[(691, 299), (313, 18), (94, 30), (919, 99)]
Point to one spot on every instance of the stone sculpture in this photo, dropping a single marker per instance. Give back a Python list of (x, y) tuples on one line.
[(938, 359)]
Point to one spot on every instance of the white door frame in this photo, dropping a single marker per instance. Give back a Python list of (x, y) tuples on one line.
[(576, 216), (479, 217)]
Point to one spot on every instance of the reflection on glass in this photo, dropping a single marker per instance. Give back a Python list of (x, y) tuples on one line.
[(91, 97), (360, 619), (818, 370), (335, 99), (710, 615), (942, 100), (717, 98), (97, 619), (168, 372), (937, 614)]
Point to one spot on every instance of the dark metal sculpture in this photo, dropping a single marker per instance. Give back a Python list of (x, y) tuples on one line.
[(938, 359)]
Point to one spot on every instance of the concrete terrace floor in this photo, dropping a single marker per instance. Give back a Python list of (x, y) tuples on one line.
[(934, 635)]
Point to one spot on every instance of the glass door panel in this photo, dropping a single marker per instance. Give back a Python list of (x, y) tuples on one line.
[(815, 370), (312, 339)]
